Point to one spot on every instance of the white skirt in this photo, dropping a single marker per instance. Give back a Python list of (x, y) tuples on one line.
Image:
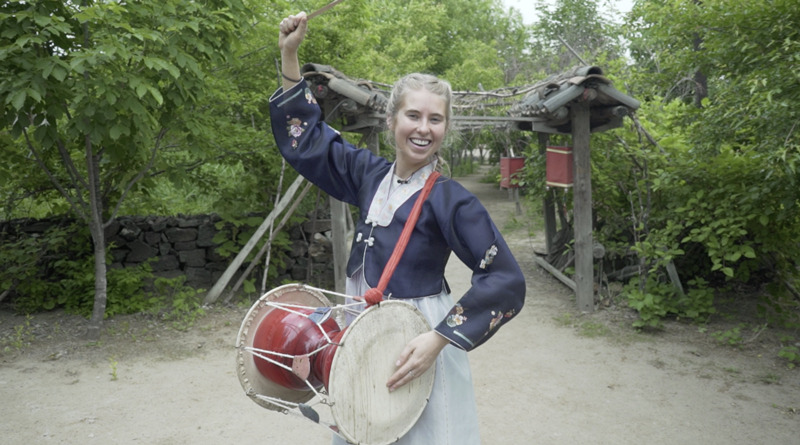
[(450, 417)]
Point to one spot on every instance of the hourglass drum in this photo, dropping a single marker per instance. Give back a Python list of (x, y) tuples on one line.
[(294, 355)]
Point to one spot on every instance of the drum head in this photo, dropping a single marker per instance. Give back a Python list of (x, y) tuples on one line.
[(363, 408), (250, 378)]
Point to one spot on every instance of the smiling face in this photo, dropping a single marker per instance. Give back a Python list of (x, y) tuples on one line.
[(419, 126)]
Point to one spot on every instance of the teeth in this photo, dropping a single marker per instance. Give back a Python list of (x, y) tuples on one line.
[(420, 142)]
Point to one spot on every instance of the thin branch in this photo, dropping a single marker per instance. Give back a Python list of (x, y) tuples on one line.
[(789, 136), (272, 228), (757, 333), (71, 170), (138, 176), (644, 132), (574, 53), (6, 292), (678, 83), (78, 207)]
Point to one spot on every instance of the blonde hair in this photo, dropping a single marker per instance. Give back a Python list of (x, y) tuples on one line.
[(416, 82)]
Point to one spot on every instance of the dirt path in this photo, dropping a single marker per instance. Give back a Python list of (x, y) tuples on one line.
[(551, 376)]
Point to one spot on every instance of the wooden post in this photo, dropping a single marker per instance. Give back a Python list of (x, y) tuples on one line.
[(582, 168), (548, 205), (339, 224), (216, 290), (339, 240)]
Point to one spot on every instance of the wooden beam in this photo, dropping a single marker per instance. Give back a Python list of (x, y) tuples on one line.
[(267, 245), (339, 240), (582, 169), (339, 229), (219, 286), (555, 272), (548, 205)]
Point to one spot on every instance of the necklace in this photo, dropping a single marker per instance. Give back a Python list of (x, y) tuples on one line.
[(393, 192)]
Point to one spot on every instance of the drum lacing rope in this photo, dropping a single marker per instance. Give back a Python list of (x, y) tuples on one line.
[(289, 407), (375, 295), (265, 354), (347, 306)]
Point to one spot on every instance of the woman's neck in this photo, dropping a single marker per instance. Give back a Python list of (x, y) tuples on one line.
[(405, 173)]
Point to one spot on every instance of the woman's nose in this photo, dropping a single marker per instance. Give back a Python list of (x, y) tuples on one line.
[(424, 126)]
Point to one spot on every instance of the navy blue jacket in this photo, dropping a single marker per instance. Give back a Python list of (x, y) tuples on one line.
[(452, 220)]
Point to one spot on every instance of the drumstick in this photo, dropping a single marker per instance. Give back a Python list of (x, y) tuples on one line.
[(324, 9)]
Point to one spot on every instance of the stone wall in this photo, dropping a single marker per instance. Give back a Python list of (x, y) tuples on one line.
[(184, 245)]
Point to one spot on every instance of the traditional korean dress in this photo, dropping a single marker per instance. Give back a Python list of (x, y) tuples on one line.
[(452, 220)]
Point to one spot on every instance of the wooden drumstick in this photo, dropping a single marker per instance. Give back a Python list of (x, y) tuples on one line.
[(324, 9)]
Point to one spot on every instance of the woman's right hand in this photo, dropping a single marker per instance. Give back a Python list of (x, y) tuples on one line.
[(292, 32)]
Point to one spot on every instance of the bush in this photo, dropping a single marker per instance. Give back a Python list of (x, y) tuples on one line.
[(55, 269), (719, 216)]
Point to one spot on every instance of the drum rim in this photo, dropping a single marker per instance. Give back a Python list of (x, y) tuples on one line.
[(250, 379)]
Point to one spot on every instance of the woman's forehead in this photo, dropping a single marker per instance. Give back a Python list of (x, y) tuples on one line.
[(423, 100)]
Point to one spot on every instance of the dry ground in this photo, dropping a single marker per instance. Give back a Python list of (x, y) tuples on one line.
[(552, 376)]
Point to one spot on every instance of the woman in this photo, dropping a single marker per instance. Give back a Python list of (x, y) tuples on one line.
[(452, 220)]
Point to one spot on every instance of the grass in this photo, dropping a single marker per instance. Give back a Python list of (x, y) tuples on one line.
[(585, 328), (21, 336)]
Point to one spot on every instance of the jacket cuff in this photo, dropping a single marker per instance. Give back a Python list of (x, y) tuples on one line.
[(285, 96), (455, 338)]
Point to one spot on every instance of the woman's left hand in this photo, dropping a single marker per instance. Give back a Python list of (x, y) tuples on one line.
[(418, 355)]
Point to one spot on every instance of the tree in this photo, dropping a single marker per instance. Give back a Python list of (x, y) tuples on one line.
[(149, 107), (97, 91), (522, 57), (712, 189), (748, 52), (577, 32)]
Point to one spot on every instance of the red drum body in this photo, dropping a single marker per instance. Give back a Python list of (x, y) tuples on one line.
[(323, 364), (264, 327), (293, 333)]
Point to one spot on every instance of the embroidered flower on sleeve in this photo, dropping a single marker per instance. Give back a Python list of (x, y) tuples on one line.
[(488, 257), (456, 317), (296, 128), (497, 317), (310, 96)]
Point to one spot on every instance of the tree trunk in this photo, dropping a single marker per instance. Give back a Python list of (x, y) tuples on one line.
[(99, 239), (700, 79), (100, 282)]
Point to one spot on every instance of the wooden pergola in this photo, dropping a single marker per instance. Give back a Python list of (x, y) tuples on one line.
[(577, 102)]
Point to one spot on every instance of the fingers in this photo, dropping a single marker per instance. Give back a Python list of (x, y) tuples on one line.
[(402, 376), (416, 358), (404, 355), (405, 371), (293, 22), (292, 32)]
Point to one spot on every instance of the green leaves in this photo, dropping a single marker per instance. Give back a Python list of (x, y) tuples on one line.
[(718, 194), (161, 64)]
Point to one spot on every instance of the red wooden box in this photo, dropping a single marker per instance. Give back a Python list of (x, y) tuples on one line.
[(559, 167), (508, 171)]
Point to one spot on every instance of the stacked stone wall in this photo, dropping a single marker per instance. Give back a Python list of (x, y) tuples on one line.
[(185, 245)]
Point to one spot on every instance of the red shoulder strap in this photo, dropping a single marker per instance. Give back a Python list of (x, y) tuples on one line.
[(375, 294)]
